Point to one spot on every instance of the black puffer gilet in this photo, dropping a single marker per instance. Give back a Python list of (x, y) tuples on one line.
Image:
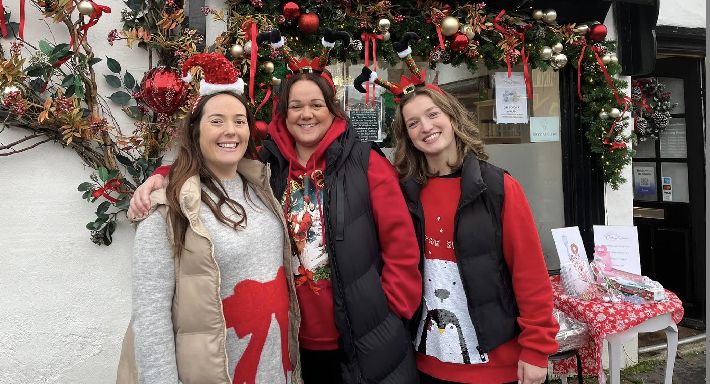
[(375, 343)]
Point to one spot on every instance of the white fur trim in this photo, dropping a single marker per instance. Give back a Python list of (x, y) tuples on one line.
[(327, 44), (187, 78), (279, 44), (405, 53), (373, 76), (208, 89)]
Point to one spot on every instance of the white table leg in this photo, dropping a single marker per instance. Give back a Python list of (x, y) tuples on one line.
[(672, 340), (615, 362)]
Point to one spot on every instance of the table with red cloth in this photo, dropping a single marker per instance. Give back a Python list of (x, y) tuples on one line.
[(603, 319)]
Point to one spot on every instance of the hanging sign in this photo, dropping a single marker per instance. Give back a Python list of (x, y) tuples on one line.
[(511, 98)]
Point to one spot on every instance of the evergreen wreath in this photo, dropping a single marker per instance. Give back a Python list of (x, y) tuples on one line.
[(652, 107)]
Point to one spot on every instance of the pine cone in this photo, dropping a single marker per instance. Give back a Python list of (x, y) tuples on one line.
[(661, 119), (642, 127)]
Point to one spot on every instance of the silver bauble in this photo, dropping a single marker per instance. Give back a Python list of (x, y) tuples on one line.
[(386, 36), (614, 113), (550, 16), (449, 26), (614, 59), (603, 115), (275, 81), (560, 60), (537, 14), (383, 25), (558, 47), (247, 48), (606, 59), (467, 30), (582, 28), (546, 53)]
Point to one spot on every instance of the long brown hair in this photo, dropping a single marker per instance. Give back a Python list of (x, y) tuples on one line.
[(191, 162), (331, 103), (410, 162)]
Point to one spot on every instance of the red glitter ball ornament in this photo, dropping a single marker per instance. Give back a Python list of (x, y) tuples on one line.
[(260, 130), (308, 22), (597, 33), (459, 42), (291, 11), (163, 90)]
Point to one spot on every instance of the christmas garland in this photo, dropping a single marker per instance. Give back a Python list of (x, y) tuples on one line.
[(652, 107), (55, 95)]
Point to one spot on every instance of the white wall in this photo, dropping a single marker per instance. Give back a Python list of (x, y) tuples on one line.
[(64, 302), (682, 13)]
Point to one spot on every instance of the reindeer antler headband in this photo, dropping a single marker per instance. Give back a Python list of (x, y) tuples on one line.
[(407, 84), (304, 65)]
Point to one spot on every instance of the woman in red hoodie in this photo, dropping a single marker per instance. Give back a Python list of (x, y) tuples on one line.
[(353, 239)]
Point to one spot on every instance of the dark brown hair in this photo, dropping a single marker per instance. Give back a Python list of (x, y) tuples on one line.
[(190, 162), (333, 105), (409, 161)]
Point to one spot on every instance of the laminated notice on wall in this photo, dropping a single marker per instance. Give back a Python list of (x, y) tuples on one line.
[(511, 98)]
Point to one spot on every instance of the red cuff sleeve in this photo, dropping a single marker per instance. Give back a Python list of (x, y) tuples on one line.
[(531, 284), (163, 170), (401, 278)]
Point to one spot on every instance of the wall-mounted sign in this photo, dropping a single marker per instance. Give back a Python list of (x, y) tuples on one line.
[(511, 98), (544, 129)]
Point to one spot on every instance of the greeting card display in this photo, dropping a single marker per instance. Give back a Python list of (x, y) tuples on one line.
[(576, 275)]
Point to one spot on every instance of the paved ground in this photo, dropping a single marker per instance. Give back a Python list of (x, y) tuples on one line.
[(689, 368)]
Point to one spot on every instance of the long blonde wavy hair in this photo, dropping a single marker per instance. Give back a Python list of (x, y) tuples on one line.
[(410, 162)]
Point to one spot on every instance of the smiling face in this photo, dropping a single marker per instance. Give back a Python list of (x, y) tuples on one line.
[(224, 134), (431, 132), (307, 117)]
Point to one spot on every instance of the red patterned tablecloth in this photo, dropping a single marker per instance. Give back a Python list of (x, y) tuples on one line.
[(604, 319)]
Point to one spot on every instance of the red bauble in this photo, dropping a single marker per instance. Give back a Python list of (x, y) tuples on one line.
[(308, 22), (291, 11), (163, 90), (459, 42), (597, 33), (261, 129)]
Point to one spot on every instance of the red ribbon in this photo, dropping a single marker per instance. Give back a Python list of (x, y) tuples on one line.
[(441, 37), (110, 185), (367, 38), (251, 34), (579, 72), (523, 55), (267, 88), (3, 27), (93, 18), (22, 19)]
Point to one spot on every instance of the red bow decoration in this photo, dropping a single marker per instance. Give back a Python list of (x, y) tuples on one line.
[(249, 26), (93, 18), (267, 88), (523, 55), (111, 185)]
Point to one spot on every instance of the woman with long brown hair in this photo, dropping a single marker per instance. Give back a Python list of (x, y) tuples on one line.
[(213, 290)]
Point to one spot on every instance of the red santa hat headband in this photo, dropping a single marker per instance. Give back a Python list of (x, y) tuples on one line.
[(304, 65), (407, 84), (218, 74)]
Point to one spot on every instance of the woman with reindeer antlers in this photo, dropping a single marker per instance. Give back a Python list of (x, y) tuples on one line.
[(355, 253), (486, 314)]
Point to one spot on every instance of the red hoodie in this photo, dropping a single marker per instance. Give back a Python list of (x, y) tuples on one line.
[(401, 279), (302, 202)]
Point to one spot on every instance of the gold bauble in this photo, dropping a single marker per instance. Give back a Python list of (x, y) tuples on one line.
[(275, 81), (383, 25), (237, 51), (557, 47), (85, 8), (268, 67), (467, 29), (386, 36), (449, 26), (550, 16), (537, 14)]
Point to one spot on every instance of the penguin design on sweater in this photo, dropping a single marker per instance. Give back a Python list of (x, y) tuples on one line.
[(442, 328), (446, 331)]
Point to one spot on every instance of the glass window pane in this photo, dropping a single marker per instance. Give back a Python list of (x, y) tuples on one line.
[(673, 143), (646, 148), (644, 175), (677, 89), (674, 179)]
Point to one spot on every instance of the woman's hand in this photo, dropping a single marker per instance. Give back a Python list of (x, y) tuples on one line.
[(530, 374), (140, 202)]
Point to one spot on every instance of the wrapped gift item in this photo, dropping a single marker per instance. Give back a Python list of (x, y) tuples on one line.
[(626, 286), (573, 334)]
